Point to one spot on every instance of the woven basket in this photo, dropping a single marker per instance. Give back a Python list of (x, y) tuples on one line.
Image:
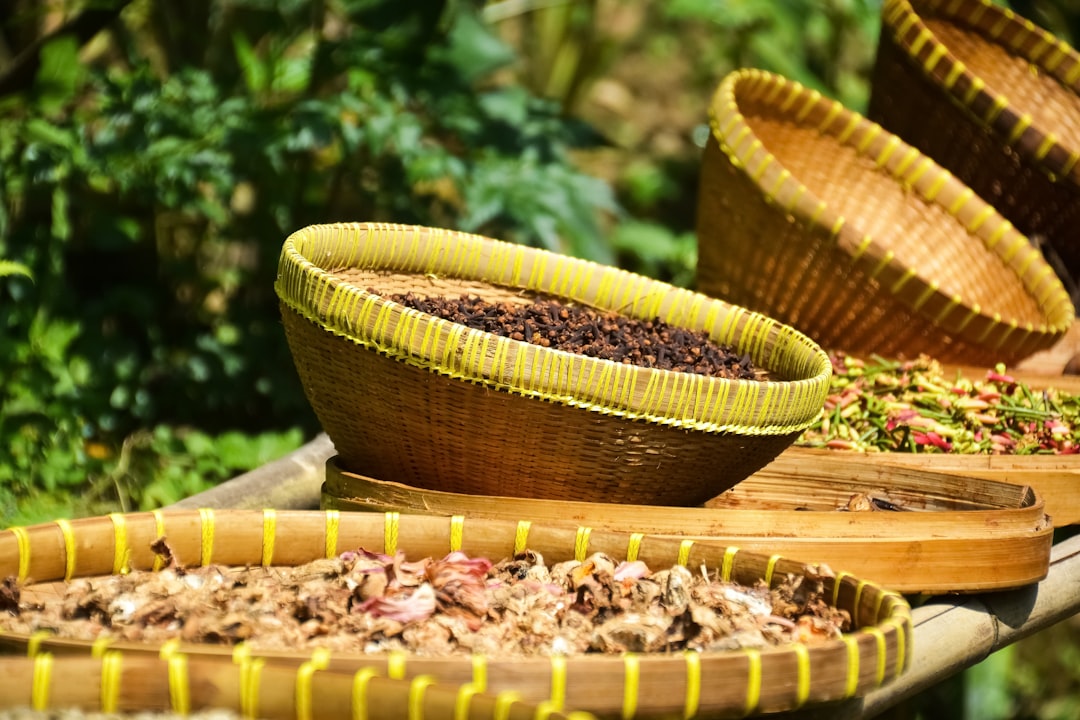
[(969, 534), (668, 684), (994, 99), (118, 682), (433, 404), (818, 217)]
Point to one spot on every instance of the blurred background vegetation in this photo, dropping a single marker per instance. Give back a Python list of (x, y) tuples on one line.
[(155, 154)]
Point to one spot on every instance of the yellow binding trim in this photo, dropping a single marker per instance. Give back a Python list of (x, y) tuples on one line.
[(361, 681), (42, 681), (268, 536)]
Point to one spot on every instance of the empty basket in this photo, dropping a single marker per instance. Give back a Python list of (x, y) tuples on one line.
[(816, 216), (406, 396), (994, 99)]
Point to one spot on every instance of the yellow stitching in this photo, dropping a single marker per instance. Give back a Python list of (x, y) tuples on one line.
[(461, 702), (1073, 74), (833, 112), (479, 672), (99, 646), (33, 643), (69, 549), (320, 658), (521, 536), (684, 551), (395, 664), (111, 663), (753, 680), (903, 280), (882, 263), (457, 530), (693, 683), (39, 686), (921, 39), (851, 686), (868, 137), (812, 99), (250, 677), (934, 58), (980, 218), (269, 533), (802, 656), (901, 646), (333, 522), (729, 561), (879, 638), (836, 587), (955, 72), (558, 681), (631, 684), (887, 151), (121, 552), (633, 547), (179, 685), (1044, 147), (961, 200), (360, 683), (999, 104), (852, 123), (1022, 124), (976, 87), (503, 702), (22, 540), (936, 185), (206, 553), (391, 526), (581, 543), (417, 688), (770, 568)]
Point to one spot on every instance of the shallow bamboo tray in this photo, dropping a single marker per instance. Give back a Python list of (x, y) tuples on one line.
[(712, 683), (1056, 478), (820, 218), (994, 99), (964, 534), (406, 395), (118, 682)]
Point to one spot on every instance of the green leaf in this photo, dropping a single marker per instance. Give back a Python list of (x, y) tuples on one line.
[(473, 48), (10, 267), (58, 74), (256, 73)]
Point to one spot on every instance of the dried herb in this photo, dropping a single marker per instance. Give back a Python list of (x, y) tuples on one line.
[(371, 602), (585, 331), (912, 406)]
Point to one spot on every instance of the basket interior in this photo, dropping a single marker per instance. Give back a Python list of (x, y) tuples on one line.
[(1052, 106), (923, 235)]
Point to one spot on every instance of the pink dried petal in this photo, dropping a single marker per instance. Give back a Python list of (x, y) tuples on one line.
[(631, 571), (419, 605), (994, 376)]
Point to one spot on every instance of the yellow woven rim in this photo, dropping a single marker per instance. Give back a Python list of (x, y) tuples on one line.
[(990, 106), (307, 284), (912, 170), (877, 651)]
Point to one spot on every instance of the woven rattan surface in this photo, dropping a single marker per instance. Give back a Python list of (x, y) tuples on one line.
[(121, 683), (813, 215), (436, 405), (630, 685), (994, 99)]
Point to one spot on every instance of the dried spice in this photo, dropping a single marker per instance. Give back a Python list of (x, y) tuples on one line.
[(370, 602), (912, 406), (584, 331)]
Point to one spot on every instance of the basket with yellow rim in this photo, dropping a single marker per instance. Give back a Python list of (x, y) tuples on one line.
[(408, 396)]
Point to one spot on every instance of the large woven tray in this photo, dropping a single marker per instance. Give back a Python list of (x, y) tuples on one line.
[(710, 683), (963, 534), (116, 682)]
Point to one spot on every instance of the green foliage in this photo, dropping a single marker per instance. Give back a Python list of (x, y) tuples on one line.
[(148, 193)]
